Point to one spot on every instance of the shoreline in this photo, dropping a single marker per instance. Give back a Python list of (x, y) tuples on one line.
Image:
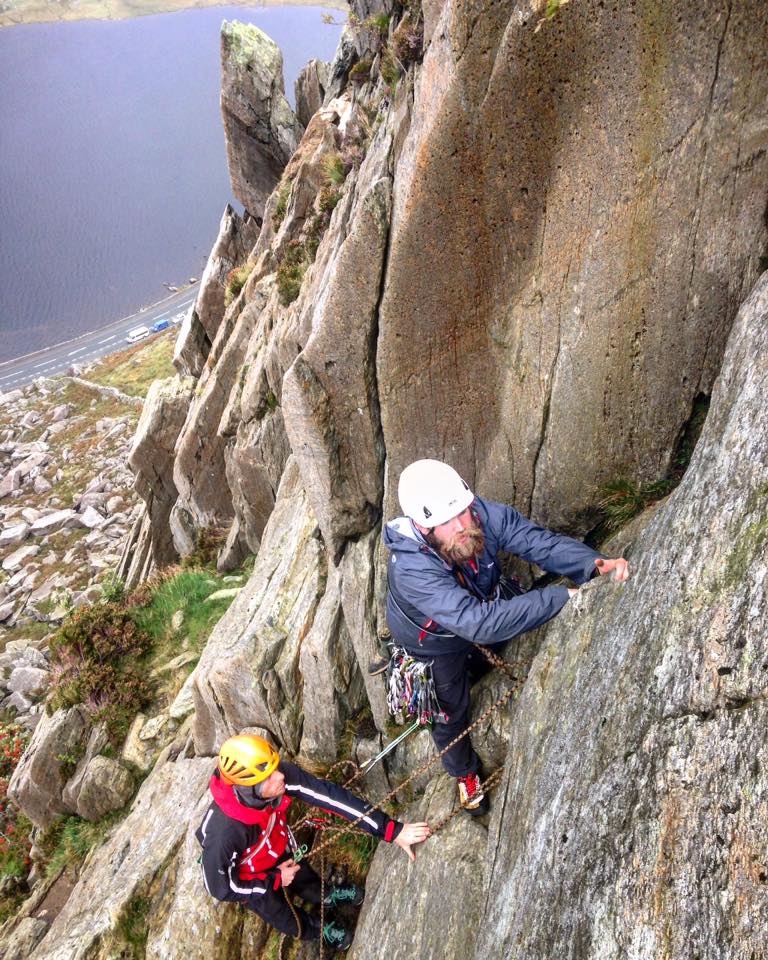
[(40, 11)]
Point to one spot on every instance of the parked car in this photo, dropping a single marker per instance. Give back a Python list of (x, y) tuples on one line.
[(159, 325), (138, 333)]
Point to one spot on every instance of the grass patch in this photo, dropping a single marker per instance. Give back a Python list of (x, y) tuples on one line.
[(361, 72), (334, 169), (408, 40), (135, 370), (355, 852), (208, 542), (133, 927), (185, 590), (281, 207), (622, 500), (290, 273), (327, 199), (67, 842), (236, 280), (390, 72)]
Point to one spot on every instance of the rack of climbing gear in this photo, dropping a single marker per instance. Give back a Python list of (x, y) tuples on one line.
[(411, 689)]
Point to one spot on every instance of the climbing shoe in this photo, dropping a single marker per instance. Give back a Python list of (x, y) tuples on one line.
[(336, 936), (471, 795), (347, 894)]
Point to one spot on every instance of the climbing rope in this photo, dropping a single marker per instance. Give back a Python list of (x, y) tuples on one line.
[(351, 827), (297, 918), (507, 695)]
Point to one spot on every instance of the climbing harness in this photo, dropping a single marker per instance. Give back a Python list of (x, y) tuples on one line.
[(411, 689)]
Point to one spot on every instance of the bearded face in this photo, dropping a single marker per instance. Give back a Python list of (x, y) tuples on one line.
[(459, 539)]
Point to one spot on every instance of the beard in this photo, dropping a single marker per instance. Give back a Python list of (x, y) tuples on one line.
[(464, 546)]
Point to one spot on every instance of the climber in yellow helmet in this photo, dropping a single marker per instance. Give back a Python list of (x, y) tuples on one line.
[(248, 845)]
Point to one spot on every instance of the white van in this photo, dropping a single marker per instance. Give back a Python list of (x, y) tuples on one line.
[(138, 333)]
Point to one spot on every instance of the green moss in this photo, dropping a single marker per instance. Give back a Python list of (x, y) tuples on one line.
[(246, 43), (750, 541), (133, 927)]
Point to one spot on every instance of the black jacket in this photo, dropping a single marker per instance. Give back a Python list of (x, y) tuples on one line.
[(224, 839)]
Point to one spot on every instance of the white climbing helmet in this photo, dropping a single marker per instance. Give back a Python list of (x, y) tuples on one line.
[(431, 492)]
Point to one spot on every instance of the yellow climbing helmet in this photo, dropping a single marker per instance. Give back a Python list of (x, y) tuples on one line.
[(246, 760)]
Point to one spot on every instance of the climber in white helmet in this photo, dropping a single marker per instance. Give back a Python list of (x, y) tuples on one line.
[(446, 592)]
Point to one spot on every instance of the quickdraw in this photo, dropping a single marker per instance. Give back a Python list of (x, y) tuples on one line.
[(411, 689)]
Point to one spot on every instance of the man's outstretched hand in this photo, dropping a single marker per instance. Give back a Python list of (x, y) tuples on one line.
[(412, 833), (617, 567)]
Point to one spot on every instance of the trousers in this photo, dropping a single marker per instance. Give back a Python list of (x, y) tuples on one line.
[(272, 906), (454, 673)]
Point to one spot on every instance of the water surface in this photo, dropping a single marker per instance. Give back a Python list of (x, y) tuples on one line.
[(113, 171)]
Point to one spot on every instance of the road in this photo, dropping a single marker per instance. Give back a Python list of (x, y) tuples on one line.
[(58, 359)]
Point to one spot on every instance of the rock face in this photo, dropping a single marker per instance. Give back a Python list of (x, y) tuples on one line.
[(310, 89), (152, 457), (123, 869), (236, 238), (530, 267), (445, 899), (39, 779), (249, 674), (635, 785), (260, 127)]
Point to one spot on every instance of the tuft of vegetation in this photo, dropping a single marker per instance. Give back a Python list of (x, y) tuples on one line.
[(408, 40), (67, 842), (378, 24), (112, 588), (15, 828), (96, 659), (390, 72), (328, 199), (281, 207), (209, 541), (550, 12), (236, 280), (68, 761), (622, 500), (361, 72), (290, 273), (133, 927), (335, 169)]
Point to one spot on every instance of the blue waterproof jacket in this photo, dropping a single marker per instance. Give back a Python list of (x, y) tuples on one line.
[(431, 613)]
